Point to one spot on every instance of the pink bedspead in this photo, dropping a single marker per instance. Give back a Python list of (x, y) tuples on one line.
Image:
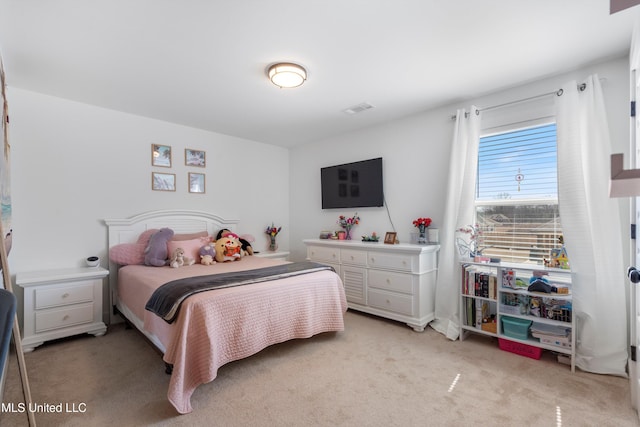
[(219, 326)]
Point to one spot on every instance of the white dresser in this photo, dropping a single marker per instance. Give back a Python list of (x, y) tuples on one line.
[(61, 303), (393, 281)]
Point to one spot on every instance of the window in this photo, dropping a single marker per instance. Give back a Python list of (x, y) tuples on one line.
[(517, 194)]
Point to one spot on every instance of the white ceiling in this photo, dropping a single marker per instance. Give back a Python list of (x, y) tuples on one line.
[(202, 63)]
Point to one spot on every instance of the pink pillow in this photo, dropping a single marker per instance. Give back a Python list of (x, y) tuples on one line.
[(190, 236), (143, 239), (191, 247), (127, 253), (146, 235)]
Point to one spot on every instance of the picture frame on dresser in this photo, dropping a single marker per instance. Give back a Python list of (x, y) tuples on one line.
[(390, 237)]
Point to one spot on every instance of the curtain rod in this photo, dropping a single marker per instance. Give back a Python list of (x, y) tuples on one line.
[(558, 92)]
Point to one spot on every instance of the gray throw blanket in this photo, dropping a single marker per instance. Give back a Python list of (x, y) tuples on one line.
[(166, 300)]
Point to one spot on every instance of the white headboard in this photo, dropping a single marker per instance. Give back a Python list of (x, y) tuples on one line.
[(180, 221)]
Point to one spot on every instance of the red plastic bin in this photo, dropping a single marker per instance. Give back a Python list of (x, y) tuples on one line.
[(519, 348)]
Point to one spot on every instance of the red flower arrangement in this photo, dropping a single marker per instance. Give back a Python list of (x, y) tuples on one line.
[(424, 222)]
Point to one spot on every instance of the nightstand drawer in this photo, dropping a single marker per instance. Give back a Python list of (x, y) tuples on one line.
[(353, 257), (395, 282), (394, 262), (402, 304), (63, 295), (57, 318)]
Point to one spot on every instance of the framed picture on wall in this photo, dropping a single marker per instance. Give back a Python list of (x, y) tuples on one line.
[(194, 157), (163, 181), (196, 182), (161, 155)]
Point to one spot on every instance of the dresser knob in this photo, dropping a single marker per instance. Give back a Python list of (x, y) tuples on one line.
[(388, 302), (373, 259), (389, 281), (65, 295), (66, 317)]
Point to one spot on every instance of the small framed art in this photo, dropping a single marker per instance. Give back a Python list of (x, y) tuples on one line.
[(196, 182), (161, 155), (163, 181), (390, 237), (194, 157)]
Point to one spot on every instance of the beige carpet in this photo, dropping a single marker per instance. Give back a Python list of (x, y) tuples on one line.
[(375, 373)]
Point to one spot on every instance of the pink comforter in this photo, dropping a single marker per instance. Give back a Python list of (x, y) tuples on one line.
[(220, 326)]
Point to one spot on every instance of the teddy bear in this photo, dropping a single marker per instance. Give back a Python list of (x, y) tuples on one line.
[(178, 259), (156, 252), (207, 254), (244, 242), (228, 248)]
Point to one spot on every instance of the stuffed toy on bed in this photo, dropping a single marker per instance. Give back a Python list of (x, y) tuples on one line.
[(156, 252), (178, 259), (207, 254), (245, 245), (228, 248)]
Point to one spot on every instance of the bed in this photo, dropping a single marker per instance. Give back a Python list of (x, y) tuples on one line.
[(218, 326)]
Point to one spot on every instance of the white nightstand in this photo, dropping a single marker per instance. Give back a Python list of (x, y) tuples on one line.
[(61, 303), (273, 254)]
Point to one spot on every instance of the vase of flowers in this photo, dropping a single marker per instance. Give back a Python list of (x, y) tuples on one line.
[(272, 232), (422, 224), (348, 223)]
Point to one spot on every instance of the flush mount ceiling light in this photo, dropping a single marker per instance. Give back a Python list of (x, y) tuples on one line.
[(287, 74)]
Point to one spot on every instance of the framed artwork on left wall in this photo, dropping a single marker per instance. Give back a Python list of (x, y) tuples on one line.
[(161, 155), (196, 182), (163, 181), (194, 157)]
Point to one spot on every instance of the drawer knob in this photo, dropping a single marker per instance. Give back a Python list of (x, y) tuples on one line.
[(65, 295), (388, 280), (388, 302), (373, 259), (352, 257), (66, 317)]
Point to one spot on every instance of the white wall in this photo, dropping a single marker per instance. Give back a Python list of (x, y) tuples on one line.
[(415, 153), (74, 165)]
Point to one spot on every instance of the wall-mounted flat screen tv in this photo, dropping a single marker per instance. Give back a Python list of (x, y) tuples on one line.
[(352, 185)]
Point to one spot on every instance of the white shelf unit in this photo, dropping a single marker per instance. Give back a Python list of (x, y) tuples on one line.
[(554, 310), (392, 281)]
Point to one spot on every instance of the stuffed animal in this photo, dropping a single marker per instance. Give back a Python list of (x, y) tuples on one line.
[(228, 248), (244, 242), (207, 254), (178, 259), (207, 260), (156, 253)]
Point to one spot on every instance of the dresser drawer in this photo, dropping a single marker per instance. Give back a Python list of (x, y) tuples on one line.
[(57, 318), (394, 262), (398, 303), (317, 253), (54, 296), (348, 256), (395, 282)]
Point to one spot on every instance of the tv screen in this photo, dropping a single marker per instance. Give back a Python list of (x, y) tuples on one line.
[(352, 185)]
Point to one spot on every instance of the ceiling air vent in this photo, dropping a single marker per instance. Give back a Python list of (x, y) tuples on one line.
[(358, 108)]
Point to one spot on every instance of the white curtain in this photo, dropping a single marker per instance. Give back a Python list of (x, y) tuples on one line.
[(592, 229), (459, 212)]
